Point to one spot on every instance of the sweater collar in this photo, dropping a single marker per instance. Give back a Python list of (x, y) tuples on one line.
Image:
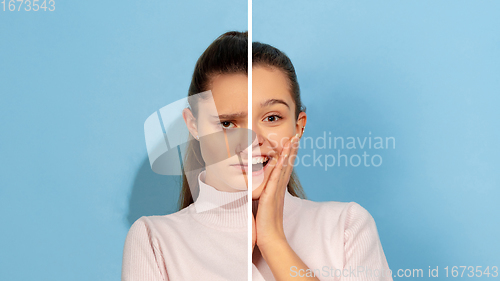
[(229, 209), (210, 198)]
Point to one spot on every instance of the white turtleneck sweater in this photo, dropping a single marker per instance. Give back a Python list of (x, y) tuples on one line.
[(208, 241)]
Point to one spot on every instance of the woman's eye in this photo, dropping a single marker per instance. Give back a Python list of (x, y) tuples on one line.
[(226, 124), (273, 118)]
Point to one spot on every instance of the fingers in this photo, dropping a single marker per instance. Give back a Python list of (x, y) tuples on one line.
[(292, 154), (281, 172), (254, 233), (276, 172), (285, 154)]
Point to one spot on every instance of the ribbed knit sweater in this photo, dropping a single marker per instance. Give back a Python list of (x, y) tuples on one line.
[(208, 241)]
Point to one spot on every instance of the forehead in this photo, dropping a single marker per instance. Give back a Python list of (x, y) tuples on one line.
[(230, 92), (269, 83)]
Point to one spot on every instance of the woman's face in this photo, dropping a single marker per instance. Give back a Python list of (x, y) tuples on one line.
[(274, 123), (219, 115), (273, 114)]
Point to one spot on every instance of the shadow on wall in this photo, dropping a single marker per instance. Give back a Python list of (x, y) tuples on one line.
[(152, 194)]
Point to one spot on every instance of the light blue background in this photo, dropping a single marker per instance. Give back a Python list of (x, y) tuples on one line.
[(426, 73), (77, 84)]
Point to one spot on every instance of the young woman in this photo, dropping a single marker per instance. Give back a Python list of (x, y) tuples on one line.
[(293, 238)]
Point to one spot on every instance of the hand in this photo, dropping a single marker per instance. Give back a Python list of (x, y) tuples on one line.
[(254, 233), (270, 236), (269, 217)]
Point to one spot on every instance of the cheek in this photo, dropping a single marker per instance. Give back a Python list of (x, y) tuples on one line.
[(278, 141), (205, 153), (274, 141), (210, 143), (206, 128), (213, 153)]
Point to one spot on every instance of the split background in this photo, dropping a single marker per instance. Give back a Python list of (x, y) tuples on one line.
[(77, 84)]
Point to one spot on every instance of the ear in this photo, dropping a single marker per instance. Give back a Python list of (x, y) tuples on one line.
[(190, 121), (301, 124)]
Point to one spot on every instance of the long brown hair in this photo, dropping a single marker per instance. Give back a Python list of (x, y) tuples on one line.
[(228, 54)]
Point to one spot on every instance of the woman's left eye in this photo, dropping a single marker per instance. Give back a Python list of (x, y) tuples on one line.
[(273, 118)]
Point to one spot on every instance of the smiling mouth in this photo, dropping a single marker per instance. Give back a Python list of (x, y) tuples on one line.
[(260, 166), (258, 163)]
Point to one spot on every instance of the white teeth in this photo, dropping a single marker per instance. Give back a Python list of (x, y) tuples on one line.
[(259, 159)]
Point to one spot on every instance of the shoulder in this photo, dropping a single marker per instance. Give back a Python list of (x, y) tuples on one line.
[(355, 213), (148, 226), (361, 239), (141, 230), (349, 218), (347, 228), (350, 211), (352, 224), (358, 221), (335, 206), (331, 210), (326, 217)]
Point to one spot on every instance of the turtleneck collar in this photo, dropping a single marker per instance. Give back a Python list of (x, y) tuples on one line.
[(228, 210)]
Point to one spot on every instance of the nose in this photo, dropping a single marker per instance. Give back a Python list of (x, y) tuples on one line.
[(257, 140)]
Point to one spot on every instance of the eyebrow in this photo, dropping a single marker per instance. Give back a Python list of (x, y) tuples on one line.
[(270, 102), (230, 116)]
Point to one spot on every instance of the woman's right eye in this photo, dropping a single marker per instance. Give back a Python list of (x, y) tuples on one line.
[(226, 124)]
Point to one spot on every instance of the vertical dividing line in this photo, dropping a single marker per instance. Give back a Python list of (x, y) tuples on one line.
[(250, 140)]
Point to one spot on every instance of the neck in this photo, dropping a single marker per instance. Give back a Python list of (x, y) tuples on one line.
[(210, 178), (229, 210)]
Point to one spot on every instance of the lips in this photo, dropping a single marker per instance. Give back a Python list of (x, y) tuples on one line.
[(259, 164), (256, 159)]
